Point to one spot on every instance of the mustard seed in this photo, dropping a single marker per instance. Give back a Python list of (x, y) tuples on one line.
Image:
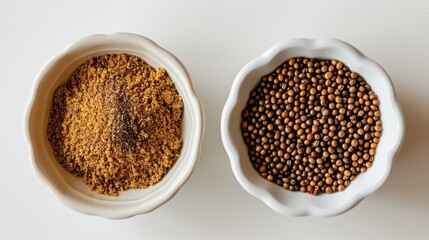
[(329, 180), (328, 75), (312, 125)]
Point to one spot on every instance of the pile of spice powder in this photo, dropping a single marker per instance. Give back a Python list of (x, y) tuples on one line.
[(117, 123)]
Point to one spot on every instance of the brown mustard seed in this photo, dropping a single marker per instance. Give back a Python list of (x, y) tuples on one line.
[(312, 125), (117, 123)]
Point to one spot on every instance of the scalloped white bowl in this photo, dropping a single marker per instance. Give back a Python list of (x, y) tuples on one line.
[(70, 189), (297, 203)]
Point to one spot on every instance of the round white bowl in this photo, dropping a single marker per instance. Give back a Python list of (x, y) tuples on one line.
[(70, 189), (298, 203)]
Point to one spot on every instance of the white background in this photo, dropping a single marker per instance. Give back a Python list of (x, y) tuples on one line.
[(215, 39)]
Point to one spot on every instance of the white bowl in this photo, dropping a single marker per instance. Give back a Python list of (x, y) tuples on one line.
[(70, 189), (298, 203)]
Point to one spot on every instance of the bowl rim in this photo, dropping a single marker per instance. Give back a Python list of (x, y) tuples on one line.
[(266, 58), (168, 191)]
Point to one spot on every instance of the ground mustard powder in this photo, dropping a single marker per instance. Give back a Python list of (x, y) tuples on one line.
[(116, 123)]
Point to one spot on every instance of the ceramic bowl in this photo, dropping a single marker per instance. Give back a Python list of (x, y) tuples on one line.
[(70, 189), (298, 203)]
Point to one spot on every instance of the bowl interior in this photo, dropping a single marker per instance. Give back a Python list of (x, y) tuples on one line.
[(72, 188), (297, 203)]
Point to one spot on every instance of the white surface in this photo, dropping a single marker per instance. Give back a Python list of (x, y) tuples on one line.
[(298, 203), (215, 40), (71, 189)]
